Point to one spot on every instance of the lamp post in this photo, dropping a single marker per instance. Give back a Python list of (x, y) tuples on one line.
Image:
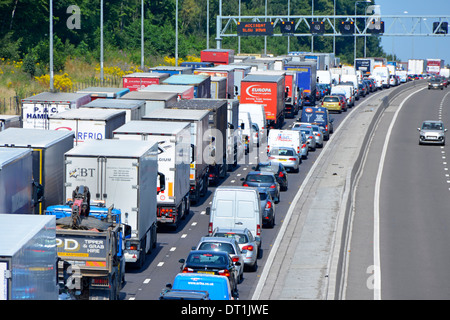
[(356, 3)]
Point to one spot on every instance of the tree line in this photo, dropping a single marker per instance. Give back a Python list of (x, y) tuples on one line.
[(24, 30)]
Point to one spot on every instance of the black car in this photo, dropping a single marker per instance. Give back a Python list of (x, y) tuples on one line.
[(212, 262), (278, 169)]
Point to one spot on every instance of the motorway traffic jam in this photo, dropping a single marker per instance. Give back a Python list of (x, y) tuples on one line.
[(90, 178)]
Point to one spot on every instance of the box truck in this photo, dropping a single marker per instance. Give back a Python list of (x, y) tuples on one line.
[(198, 173), (217, 125), (217, 56), (138, 80), (268, 90), (134, 109), (16, 181), (174, 150), (434, 66), (48, 148), (28, 257), (241, 70), (183, 92), (88, 123), (104, 92), (153, 100), (201, 83), (36, 109), (122, 174), (306, 78), (226, 71), (417, 66)]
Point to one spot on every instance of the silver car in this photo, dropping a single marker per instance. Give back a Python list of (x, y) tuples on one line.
[(247, 244), (318, 134), (288, 157), (309, 136), (432, 132), (227, 245)]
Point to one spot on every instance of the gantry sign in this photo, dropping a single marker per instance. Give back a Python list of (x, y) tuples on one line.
[(356, 25)]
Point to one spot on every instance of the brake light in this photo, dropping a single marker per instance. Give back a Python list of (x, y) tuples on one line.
[(310, 137), (258, 230), (224, 272), (281, 174), (272, 186), (132, 247), (271, 157), (245, 185), (304, 145), (100, 281), (187, 270), (235, 259), (210, 228), (249, 248), (268, 205), (292, 159)]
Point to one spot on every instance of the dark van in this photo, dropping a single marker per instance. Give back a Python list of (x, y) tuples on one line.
[(319, 116)]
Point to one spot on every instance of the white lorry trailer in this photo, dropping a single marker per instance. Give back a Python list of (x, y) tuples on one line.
[(48, 148), (36, 109), (198, 173), (28, 257), (123, 174), (88, 123), (174, 152)]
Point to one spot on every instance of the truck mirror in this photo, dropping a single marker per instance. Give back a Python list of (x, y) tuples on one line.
[(208, 211), (242, 126), (127, 231), (162, 182), (181, 261)]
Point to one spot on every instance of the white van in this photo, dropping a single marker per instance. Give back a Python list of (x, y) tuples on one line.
[(353, 78), (383, 72), (285, 138), (245, 124), (258, 116), (236, 207), (347, 90)]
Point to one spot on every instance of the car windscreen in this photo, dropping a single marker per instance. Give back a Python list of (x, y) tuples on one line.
[(239, 237), (331, 99)]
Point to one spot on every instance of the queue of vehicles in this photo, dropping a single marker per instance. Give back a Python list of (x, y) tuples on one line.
[(127, 164)]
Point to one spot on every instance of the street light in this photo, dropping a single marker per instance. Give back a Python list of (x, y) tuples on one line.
[(356, 3)]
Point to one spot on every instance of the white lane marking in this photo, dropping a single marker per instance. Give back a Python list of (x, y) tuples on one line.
[(147, 281), (160, 264)]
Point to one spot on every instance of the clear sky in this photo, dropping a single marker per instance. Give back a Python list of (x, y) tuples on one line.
[(416, 47)]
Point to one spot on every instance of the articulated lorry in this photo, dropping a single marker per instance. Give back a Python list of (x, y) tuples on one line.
[(36, 109), (174, 157), (47, 152), (28, 257), (88, 123), (198, 172), (306, 78), (89, 242), (215, 155), (268, 90), (123, 174)]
